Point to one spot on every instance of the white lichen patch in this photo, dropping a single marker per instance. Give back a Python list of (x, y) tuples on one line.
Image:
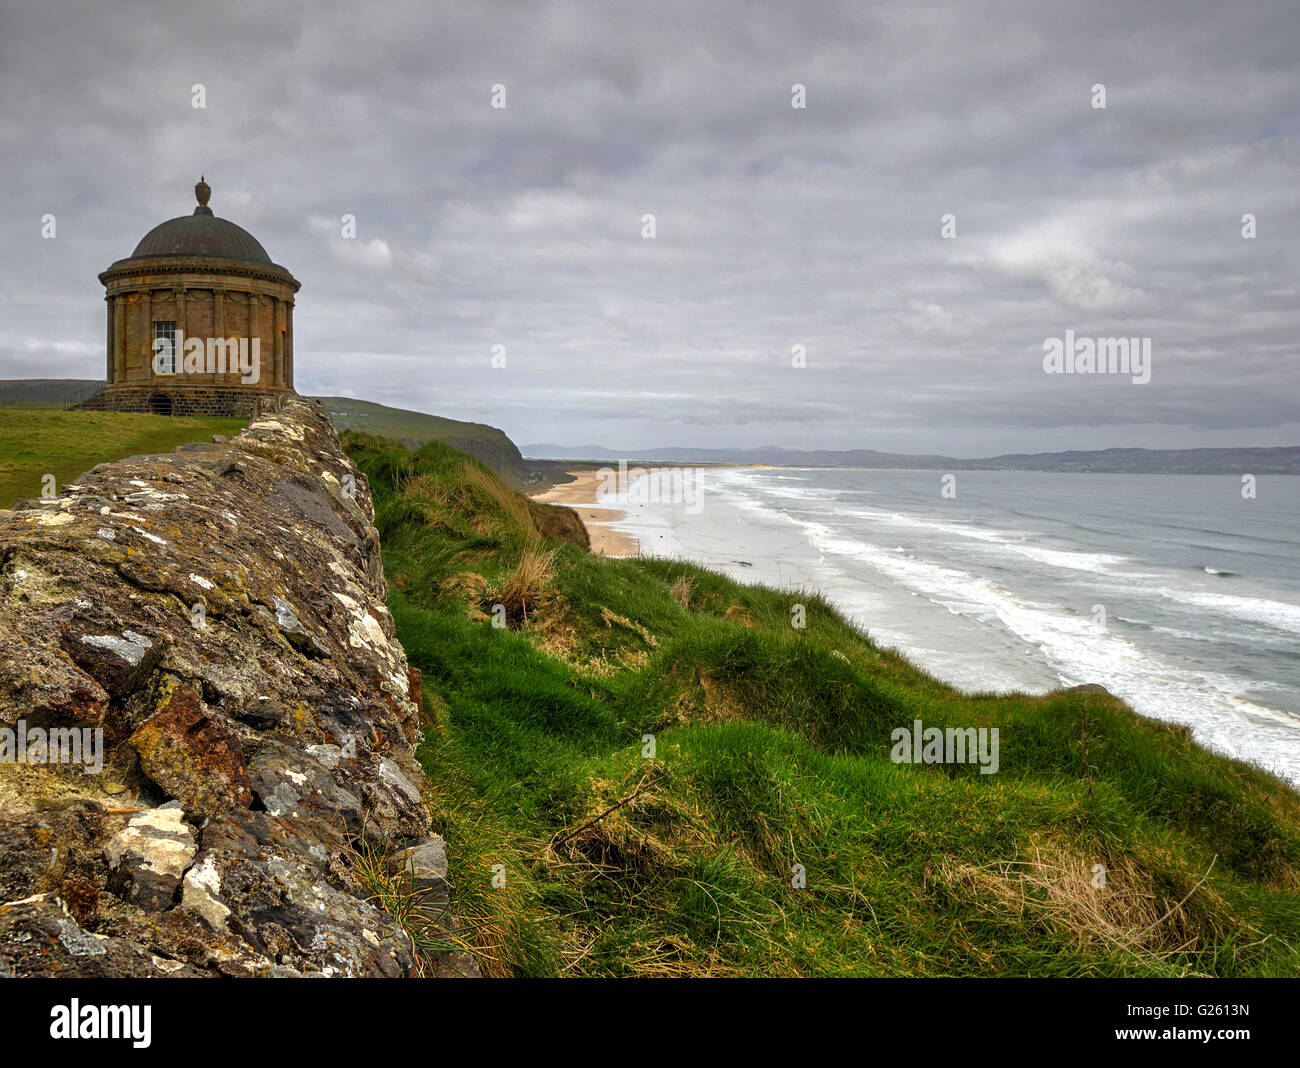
[(201, 886), (365, 631), (285, 615), (155, 495), (392, 774), (293, 433), (78, 942), (151, 537), (46, 519), (131, 646), (328, 755)]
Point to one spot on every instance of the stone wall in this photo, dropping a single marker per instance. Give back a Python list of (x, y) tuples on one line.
[(180, 400), (219, 615)]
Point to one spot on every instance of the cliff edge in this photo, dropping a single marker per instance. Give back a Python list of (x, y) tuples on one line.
[(203, 712)]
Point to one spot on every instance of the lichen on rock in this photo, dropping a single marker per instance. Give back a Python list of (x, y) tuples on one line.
[(219, 614)]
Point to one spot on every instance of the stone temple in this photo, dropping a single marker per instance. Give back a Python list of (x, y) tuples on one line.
[(197, 277)]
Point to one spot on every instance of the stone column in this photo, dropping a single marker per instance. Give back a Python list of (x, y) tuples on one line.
[(119, 339), (146, 313), (288, 347), (218, 319), (110, 367), (277, 330), (179, 365)]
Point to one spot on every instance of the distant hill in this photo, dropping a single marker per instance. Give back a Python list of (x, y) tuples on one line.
[(1258, 461), (414, 429), (45, 390)]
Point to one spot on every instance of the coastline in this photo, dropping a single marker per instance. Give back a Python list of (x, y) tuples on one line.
[(580, 495)]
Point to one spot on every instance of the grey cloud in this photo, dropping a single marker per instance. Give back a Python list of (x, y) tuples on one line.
[(775, 226)]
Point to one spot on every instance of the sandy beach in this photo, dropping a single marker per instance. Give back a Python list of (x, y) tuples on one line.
[(580, 495)]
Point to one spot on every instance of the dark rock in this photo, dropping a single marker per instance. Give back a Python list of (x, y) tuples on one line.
[(118, 662), (262, 714), (38, 936), (291, 784)]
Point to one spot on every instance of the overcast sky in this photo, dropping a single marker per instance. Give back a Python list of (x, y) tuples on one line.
[(775, 226)]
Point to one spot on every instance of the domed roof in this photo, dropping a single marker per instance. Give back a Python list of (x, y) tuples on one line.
[(201, 234)]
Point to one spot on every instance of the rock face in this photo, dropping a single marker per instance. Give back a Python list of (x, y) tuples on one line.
[(218, 614)]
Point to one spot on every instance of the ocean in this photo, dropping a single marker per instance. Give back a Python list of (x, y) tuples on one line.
[(1172, 591)]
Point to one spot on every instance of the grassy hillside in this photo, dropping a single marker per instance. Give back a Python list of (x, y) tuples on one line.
[(577, 850), (38, 441), (414, 429), (39, 392)]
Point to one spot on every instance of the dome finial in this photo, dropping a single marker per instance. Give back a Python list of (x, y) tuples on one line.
[(202, 192)]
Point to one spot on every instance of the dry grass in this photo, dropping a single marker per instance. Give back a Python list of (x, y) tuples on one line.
[(683, 587), (612, 618), (425, 487), (527, 584), (499, 497), (736, 614), (553, 632), (1128, 917), (467, 586)]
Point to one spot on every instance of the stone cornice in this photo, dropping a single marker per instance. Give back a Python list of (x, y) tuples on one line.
[(167, 265)]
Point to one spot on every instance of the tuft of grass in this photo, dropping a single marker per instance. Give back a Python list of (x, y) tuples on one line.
[(528, 583), (682, 588), (429, 926)]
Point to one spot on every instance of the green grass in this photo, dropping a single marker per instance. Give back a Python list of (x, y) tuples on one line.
[(414, 429), (771, 750), (410, 428), (36, 441)]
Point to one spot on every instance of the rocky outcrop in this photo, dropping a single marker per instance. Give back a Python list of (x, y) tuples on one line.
[(216, 619)]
